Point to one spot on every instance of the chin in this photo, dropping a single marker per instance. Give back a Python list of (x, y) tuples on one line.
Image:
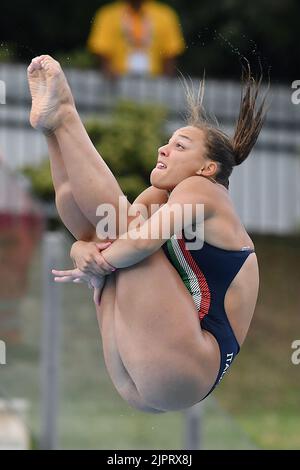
[(158, 181)]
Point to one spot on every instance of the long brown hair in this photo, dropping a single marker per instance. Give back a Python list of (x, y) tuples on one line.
[(230, 151)]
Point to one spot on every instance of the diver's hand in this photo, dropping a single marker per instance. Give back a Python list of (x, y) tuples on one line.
[(76, 276), (87, 257)]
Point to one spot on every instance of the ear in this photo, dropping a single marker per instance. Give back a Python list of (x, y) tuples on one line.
[(210, 169)]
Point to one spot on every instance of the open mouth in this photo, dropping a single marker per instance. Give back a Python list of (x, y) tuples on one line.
[(160, 166)]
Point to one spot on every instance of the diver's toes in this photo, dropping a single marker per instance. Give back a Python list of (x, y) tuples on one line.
[(34, 65)]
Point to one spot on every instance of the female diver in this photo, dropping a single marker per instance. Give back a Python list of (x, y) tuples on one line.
[(172, 318)]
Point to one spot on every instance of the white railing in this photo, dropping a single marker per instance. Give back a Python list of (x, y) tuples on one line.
[(265, 188)]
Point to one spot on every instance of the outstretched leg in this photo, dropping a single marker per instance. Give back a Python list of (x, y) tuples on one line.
[(43, 116), (53, 111), (68, 210)]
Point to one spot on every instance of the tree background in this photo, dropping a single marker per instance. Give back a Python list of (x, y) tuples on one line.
[(216, 33)]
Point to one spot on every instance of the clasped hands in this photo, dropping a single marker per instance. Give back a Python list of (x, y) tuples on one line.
[(90, 267)]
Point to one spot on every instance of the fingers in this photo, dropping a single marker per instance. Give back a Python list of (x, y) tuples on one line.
[(69, 272), (96, 266), (97, 281), (103, 245), (107, 266), (104, 265), (88, 258), (98, 291), (64, 279), (70, 275), (97, 296)]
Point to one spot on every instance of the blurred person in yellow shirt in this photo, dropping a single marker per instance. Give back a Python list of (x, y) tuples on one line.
[(138, 37)]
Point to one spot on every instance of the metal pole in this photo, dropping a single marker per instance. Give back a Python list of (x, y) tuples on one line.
[(192, 428), (51, 324)]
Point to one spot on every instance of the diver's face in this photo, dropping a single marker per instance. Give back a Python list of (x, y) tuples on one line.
[(183, 156)]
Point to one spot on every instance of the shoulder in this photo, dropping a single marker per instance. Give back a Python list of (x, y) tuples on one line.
[(199, 190), (195, 188), (195, 191)]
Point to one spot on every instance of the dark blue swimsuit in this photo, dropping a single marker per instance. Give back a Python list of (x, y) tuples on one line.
[(207, 273)]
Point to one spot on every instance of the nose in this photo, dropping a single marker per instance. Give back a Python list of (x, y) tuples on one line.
[(163, 150)]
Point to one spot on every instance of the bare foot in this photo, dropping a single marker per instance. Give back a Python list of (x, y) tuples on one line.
[(51, 96)]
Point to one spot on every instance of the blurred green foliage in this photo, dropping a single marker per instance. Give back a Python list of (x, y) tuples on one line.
[(128, 142), (7, 52), (79, 58), (41, 181)]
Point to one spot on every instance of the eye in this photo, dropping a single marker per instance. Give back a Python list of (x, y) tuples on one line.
[(178, 145)]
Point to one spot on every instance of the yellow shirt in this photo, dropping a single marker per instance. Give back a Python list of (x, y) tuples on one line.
[(136, 40)]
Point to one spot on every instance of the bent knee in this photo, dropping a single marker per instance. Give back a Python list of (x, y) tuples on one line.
[(63, 192)]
